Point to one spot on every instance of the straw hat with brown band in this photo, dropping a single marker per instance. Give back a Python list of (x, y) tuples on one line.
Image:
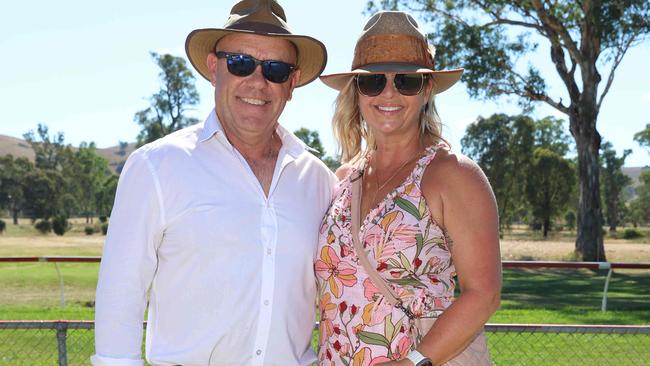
[(392, 42), (263, 17)]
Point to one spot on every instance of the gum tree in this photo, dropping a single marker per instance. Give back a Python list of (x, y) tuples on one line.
[(586, 39), (168, 107)]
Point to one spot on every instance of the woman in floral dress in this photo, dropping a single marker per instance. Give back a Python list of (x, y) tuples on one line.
[(427, 214)]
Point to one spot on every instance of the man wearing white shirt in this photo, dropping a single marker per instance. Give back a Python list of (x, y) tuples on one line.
[(218, 222)]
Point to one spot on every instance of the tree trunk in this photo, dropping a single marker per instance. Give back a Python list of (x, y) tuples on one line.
[(612, 213), (547, 223), (589, 242), (15, 216)]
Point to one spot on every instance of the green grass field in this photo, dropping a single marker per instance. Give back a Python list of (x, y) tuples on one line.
[(30, 291)]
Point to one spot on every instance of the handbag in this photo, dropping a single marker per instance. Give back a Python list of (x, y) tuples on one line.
[(476, 353)]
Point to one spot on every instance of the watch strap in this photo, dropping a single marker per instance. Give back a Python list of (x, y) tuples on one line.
[(418, 359)]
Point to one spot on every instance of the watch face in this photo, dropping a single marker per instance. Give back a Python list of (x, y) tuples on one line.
[(425, 362)]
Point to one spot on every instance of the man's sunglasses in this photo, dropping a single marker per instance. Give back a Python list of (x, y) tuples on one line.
[(240, 64), (371, 85)]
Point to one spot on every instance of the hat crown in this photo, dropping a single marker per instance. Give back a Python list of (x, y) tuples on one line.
[(393, 22), (392, 37), (259, 16)]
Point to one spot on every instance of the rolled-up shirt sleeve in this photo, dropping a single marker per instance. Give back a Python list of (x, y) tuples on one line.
[(128, 264)]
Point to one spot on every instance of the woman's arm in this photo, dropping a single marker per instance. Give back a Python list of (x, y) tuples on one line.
[(461, 200)]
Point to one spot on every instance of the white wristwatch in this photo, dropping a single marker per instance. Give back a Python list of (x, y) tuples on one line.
[(419, 359)]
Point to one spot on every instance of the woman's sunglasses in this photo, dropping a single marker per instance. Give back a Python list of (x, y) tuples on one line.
[(241, 64), (371, 85)]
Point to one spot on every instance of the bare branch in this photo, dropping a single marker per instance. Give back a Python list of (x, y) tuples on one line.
[(545, 98), (621, 50), (557, 56), (541, 97), (427, 6), (554, 24), (513, 87), (498, 21)]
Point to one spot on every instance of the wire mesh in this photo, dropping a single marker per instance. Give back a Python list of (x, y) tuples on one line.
[(35, 343)]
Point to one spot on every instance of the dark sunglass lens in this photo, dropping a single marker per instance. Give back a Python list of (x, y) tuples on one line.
[(371, 85), (276, 71), (409, 84), (241, 65)]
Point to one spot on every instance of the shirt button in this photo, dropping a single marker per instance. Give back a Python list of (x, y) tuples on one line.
[(266, 302), (259, 352)]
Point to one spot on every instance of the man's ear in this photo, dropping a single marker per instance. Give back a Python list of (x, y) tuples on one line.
[(212, 61), (295, 77)]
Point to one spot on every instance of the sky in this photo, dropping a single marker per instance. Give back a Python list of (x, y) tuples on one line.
[(83, 68)]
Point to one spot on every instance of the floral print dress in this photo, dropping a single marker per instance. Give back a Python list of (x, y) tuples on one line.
[(409, 250)]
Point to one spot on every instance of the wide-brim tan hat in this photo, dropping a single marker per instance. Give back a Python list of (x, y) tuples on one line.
[(392, 42), (262, 17)]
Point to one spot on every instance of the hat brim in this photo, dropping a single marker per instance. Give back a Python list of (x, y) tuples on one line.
[(312, 54), (442, 79)]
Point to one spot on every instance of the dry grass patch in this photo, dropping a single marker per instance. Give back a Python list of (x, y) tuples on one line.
[(615, 250), (51, 245)]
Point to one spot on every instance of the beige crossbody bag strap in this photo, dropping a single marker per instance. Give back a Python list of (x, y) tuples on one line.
[(375, 277)]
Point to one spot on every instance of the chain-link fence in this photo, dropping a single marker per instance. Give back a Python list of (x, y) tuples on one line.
[(72, 343), (568, 344)]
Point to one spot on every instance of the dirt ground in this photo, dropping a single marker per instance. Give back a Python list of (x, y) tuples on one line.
[(616, 251), (51, 245), (79, 244)]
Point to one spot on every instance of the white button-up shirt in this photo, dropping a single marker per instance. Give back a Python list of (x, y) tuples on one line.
[(229, 270)]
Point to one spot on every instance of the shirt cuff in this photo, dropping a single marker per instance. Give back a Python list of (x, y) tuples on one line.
[(97, 360)]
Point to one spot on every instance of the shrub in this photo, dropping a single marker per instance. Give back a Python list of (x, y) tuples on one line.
[(632, 233), (89, 230), (535, 225), (570, 220), (3, 226), (60, 225), (104, 229), (43, 226), (103, 219)]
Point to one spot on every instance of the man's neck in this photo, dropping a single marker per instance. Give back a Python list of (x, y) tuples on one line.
[(261, 154)]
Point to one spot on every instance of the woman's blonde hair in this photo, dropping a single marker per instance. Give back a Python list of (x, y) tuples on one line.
[(351, 131)]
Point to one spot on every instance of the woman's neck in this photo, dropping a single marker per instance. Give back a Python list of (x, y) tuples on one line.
[(393, 152)]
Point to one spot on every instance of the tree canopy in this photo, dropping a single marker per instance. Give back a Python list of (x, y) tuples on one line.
[(502, 146), (64, 181), (168, 107), (312, 139), (496, 42), (614, 180), (643, 137), (548, 185)]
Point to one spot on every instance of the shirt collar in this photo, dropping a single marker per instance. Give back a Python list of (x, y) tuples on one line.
[(210, 127), (293, 145)]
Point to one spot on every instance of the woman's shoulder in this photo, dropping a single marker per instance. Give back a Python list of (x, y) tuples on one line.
[(452, 170), (344, 170)]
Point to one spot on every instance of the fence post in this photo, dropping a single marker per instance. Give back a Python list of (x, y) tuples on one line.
[(608, 267), (61, 286), (61, 338)]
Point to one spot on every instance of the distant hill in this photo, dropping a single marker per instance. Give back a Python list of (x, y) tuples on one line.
[(21, 148), (17, 147), (634, 173)]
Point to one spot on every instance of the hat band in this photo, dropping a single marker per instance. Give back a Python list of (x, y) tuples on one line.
[(392, 48), (258, 27)]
